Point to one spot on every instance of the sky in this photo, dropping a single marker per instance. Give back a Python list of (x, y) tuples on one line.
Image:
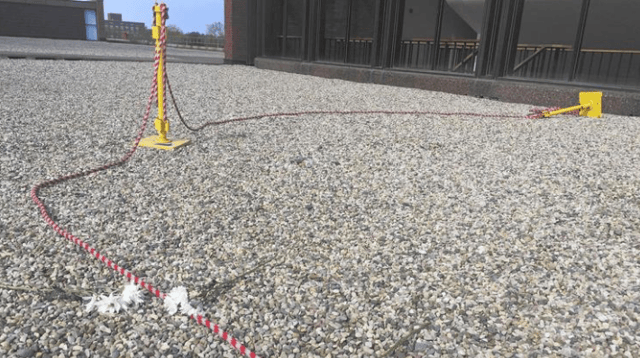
[(188, 15)]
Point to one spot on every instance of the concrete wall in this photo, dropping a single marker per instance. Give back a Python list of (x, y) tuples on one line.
[(545, 95)]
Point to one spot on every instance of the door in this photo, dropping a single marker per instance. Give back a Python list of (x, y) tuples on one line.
[(91, 24)]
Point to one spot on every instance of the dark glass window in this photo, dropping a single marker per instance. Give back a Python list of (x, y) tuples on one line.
[(417, 47), (274, 9), (455, 50), (295, 13), (460, 35), (333, 42), (347, 31), (547, 35), (361, 29), (283, 28), (610, 51)]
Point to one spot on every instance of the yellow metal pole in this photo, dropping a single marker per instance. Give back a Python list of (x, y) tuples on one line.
[(565, 110), (161, 123), (161, 64)]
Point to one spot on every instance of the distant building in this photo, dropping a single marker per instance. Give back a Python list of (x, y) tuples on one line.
[(115, 28), (56, 19), (114, 17)]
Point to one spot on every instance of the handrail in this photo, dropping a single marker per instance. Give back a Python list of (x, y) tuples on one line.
[(466, 59), (595, 50), (530, 58)]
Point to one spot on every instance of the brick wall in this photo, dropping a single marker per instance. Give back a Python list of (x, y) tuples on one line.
[(235, 29)]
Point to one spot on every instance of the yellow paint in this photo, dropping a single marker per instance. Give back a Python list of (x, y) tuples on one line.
[(152, 142), (594, 102), (590, 106)]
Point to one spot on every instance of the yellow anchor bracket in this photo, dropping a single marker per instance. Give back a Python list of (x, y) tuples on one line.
[(161, 123), (590, 106)]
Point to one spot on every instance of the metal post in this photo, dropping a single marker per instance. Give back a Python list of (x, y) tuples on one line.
[(161, 123), (435, 54), (156, 35), (577, 47)]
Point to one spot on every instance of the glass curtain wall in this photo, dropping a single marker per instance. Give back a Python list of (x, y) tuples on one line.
[(547, 34), (293, 39), (274, 31), (334, 30), (347, 31), (460, 35), (417, 48), (361, 29), (283, 28), (450, 45), (610, 52)]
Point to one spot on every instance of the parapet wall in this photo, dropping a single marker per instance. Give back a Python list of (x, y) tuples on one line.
[(507, 90)]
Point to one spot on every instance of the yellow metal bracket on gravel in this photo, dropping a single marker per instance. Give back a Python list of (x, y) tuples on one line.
[(590, 106)]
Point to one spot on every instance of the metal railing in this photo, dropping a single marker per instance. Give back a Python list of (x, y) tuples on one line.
[(135, 34), (543, 61), (453, 55), (202, 41), (359, 50), (546, 61), (604, 66), (615, 67)]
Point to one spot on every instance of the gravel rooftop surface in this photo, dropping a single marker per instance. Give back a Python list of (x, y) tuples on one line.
[(32, 47), (319, 235)]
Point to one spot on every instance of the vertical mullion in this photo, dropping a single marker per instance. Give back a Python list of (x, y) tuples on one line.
[(347, 34), (387, 33), (320, 40), (284, 28), (302, 50), (252, 19), (376, 35), (577, 47), (436, 40), (504, 48), (514, 36), (262, 16), (495, 13), (396, 43), (312, 27)]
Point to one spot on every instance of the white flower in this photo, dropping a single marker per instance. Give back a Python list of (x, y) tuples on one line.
[(131, 295), (179, 297), (114, 303)]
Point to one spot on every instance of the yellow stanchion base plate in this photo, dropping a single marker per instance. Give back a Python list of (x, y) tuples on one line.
[(152, 142), (594, 102)]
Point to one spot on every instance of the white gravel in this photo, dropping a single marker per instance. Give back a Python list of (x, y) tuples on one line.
[(320, 235)]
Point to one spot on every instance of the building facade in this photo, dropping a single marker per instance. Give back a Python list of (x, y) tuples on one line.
[(57, 19), (531, 51), (115, 28)]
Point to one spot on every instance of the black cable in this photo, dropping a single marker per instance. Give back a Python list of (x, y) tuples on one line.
[(175, 105)]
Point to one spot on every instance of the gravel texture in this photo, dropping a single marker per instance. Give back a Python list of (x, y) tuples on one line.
[(319, 235), (22, 46)]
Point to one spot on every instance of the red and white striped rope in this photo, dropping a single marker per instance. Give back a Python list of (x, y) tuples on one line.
[(201, 320), (163, 53), (154, 94)]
